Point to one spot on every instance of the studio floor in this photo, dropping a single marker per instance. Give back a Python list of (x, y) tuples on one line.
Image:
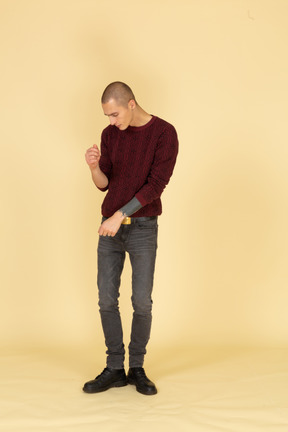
[(201, 390)]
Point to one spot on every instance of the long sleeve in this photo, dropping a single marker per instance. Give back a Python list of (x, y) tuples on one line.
[(105, 163), (162, 167)]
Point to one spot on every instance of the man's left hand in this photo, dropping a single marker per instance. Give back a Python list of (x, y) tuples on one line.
[(111, 225)]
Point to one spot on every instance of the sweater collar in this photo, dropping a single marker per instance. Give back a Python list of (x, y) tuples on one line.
[(141, 128)]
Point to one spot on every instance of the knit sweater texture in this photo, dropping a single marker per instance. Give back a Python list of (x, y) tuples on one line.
[(138, 161)]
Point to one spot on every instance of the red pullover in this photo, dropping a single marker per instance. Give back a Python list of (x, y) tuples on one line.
[(138, 161)]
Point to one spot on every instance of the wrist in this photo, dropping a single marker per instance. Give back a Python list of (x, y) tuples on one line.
[(94, 168), (120, 215)]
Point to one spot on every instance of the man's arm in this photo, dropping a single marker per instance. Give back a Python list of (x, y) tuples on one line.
[(162, 167), (111, 225), (92, 157)]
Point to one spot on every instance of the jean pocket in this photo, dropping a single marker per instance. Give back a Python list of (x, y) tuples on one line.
[(147, 224)]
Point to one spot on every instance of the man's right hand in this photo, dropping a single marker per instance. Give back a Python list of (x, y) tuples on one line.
[(92, 157)]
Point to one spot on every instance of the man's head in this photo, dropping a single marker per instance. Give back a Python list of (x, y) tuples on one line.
[(120, 92), (118, 103)]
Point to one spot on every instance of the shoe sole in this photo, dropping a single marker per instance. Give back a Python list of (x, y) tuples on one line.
[(150, 393), (115, 384)]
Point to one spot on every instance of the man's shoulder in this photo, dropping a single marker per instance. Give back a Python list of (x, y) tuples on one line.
[(162, 122), (108, 134), (164, 126), (108, 130)]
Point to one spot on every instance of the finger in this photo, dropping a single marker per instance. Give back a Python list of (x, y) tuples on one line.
[(92, 159), (93, 156), (92, 152)]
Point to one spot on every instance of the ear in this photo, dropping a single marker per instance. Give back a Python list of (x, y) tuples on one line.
[(132, 104)]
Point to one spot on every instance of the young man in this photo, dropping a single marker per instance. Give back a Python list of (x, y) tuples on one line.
[(138, 154)]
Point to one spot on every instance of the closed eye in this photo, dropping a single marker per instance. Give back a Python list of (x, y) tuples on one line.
[(115, 114)]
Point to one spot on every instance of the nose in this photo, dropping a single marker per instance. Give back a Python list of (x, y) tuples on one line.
[(112, 121)]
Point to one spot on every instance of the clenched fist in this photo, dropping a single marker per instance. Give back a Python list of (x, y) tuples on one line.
[(92, 157)]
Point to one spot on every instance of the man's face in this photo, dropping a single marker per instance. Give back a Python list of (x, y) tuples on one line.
[(119, 116)]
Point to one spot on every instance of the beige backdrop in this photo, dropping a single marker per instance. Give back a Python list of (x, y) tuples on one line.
[(217, 70)]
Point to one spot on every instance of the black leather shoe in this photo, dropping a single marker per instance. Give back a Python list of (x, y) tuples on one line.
[(107, 379), (143, 385)]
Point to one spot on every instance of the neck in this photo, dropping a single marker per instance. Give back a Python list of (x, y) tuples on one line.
[(140, 118)]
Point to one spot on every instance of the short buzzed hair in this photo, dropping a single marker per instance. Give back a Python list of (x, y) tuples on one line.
[(118, 91)]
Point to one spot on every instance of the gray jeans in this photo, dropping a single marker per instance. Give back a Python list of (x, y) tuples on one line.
[(140, 241)]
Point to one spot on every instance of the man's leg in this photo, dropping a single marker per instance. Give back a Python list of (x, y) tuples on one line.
[(111, 256), (142, 248), (142, 251)]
